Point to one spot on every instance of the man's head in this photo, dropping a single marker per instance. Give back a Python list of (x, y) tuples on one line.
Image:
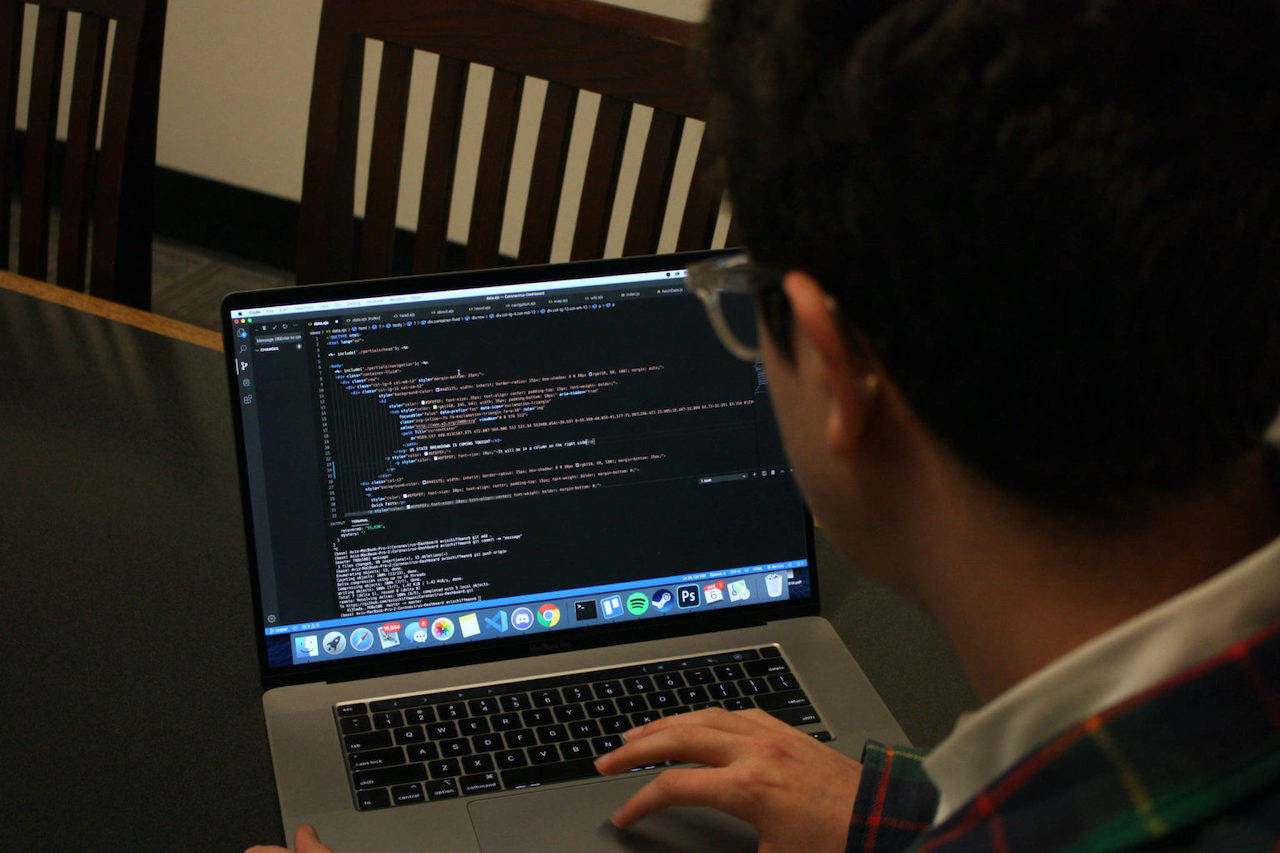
[(1056, 225)]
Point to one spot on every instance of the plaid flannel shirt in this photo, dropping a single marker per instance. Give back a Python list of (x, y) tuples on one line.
[(1193, 762)]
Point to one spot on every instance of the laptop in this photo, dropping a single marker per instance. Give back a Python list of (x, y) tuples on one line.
[(497, 518)]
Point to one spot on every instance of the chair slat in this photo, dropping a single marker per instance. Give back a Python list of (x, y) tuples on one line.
[(550, 156), (76, 209), (10, 56), (325, 223), (440, 165), (42, 126), (495, 170), (702, 208), (387, 155), (734, 238), (601, 181), (653, 187)]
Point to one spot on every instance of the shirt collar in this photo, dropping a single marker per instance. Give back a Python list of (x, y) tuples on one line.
[(1113, 666)]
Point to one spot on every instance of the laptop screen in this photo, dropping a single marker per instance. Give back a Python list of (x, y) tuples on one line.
[(528, 451)]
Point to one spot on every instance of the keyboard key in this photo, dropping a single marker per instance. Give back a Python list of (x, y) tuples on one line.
[(608, 689), (403, 795), (615, 725), (423, 751), (702, 706), (775, 701), (608, 743), (351, 709), (506, 722), (520, 737), (486, 743), (455, 747), (477, 763), (823, 735), (388, 720), (800, 715), (728, 672), (671, 712), (552, 734), (584, 728), (768, 666), (601, 708), (739, 703), (514, 702), (452, 711), (442, 731), (699, 676), (770, 652), (483, 707), (474, 726), (376, 758), (409, 734), (690, 695), (783, 681), (509, 758), (569, 713), (662, 699), (384, 776), (644, 718), (536, 717), (576, 693), (722, 690), (630, 704), (444, 767), (752, 686), (368, 740), (547, 774), (374, 799), (575, 749), (641, 684), (442, 789), (479, 784), (545, 698), (543, 754), (669, 680), (354, 725), (420, 716)]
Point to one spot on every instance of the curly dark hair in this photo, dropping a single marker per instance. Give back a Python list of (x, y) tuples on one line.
[(1054, 222)]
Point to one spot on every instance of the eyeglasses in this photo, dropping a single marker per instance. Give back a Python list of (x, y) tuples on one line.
[(728, 286)]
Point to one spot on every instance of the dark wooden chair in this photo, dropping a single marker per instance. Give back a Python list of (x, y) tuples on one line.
[(627, 57), (108, 186)]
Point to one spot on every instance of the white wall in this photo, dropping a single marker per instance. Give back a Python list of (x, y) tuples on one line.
[(237, 84)]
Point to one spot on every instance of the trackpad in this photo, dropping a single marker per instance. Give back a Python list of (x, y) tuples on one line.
[(577, 818)]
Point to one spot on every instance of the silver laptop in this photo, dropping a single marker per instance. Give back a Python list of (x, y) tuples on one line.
[(497, 518)]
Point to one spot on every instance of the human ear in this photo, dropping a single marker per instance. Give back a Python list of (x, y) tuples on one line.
[(843, 374)]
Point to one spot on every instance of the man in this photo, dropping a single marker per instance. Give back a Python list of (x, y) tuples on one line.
[(1021, 319)]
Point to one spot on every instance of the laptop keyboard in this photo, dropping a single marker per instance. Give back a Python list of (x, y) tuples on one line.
[(519, 734)]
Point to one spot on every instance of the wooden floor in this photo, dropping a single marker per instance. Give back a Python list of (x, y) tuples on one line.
[(187, 282)]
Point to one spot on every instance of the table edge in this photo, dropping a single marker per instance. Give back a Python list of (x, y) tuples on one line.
[(109, 310)]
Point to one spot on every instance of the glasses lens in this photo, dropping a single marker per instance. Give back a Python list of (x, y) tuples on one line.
[(740, 314)]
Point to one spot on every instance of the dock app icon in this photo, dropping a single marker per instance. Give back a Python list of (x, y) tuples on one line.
[(611, 606), (497, 621), (687, 596)]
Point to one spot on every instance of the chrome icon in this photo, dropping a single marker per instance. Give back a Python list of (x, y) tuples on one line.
[(548, 615)]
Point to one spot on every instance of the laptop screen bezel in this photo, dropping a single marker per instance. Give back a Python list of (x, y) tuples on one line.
[(344, 669)]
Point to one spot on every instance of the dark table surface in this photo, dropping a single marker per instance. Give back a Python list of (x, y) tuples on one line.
[(132, 715)]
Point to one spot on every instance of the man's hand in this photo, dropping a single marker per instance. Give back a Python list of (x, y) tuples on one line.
[(305, 841), (796, 792)]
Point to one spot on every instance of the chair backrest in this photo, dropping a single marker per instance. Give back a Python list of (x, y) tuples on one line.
[(626, 57), (109, 186)]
